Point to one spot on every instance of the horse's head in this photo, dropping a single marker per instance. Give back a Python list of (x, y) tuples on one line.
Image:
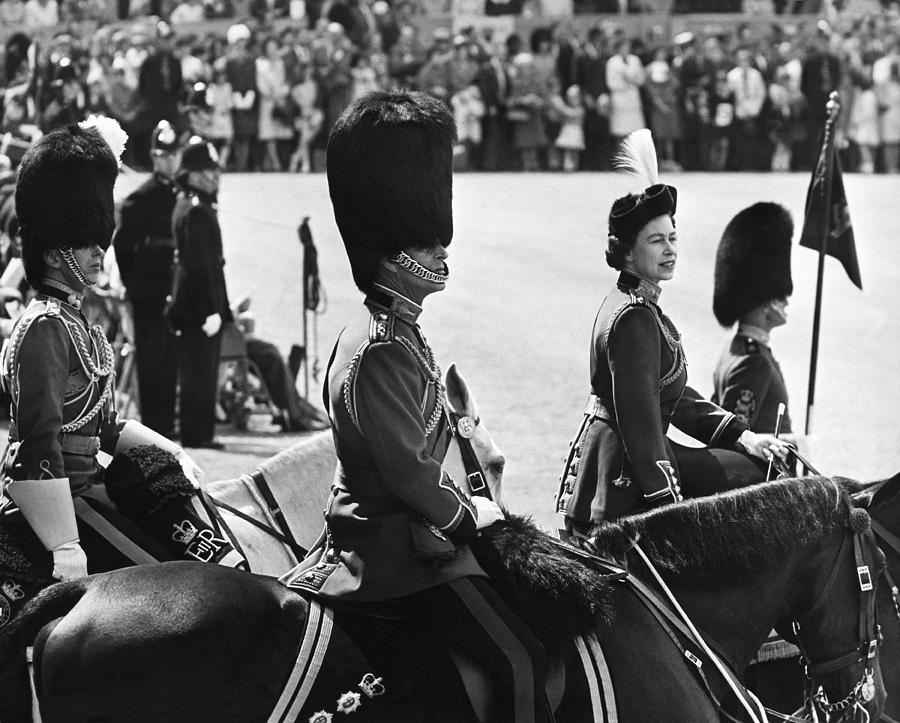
[(838, 634), (485, 449)]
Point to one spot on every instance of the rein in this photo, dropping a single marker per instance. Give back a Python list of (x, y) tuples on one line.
[(271, 506), (671, 621)]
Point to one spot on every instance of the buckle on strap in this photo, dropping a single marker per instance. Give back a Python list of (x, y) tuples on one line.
[(476, 482)]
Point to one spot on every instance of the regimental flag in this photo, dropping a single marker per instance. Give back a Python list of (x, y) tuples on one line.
[(840, 242)]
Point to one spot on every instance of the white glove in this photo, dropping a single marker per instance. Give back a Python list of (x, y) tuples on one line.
[(191, 469), (763, 445), (69, 561), (488, 512), (212, 324)]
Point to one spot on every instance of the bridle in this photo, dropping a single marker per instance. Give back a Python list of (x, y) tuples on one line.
[(864, 544), (462, 427)]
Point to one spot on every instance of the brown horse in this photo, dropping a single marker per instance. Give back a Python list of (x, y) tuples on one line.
[(184, 641)]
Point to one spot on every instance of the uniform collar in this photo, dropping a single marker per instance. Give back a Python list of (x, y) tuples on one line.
[(397, 304), (630, 281), (754, 332), (61, 291)]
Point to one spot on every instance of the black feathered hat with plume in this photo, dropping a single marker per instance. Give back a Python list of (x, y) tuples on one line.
[(630, 213), (753, 261)]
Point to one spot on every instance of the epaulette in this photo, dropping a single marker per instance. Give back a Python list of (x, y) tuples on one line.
[(381, 327)]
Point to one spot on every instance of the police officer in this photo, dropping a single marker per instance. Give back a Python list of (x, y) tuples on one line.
[(144, 252), (60, 371), (752, 286), (397, 526), (199, 304)]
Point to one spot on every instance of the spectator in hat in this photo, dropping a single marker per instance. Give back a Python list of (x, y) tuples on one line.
[(752, 287), (199, 301)]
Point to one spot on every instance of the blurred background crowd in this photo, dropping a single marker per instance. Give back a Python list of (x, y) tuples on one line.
[(265, 81)]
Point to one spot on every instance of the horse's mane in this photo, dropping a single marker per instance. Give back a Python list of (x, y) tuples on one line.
[(718, 540)]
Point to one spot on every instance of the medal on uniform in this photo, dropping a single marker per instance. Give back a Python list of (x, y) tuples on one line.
[(466, 427)]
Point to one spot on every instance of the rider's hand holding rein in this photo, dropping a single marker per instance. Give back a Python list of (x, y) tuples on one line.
[(764, 445), (487, 512)]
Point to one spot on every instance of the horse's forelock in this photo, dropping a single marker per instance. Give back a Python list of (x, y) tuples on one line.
[(719, 539)]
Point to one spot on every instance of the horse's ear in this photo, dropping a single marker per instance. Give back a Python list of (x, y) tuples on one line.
[(458, 392)]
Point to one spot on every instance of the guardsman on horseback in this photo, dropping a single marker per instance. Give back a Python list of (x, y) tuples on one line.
[(752, 287), (397, 527), (144, 253), (60, 371), (621, 461)]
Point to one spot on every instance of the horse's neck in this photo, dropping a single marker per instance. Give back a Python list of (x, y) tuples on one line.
[(735, 620)]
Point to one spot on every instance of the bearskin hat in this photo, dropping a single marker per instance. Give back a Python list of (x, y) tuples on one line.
[(753, 261), (389, 166), (64, 194)]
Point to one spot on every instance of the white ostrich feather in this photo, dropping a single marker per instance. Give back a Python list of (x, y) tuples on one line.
[(637, 156), (111, 132)]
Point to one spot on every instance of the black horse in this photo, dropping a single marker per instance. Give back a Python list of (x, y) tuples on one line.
[(184, 641), (780, 683)]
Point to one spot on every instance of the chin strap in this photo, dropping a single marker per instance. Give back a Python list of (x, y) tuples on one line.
[(407, 262), (72, 263)]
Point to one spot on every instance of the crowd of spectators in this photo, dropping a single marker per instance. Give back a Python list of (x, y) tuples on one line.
[(748, 97)]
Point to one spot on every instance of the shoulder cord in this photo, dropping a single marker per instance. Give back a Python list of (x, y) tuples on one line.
[(669, 332), (428, 367), (85, 358)]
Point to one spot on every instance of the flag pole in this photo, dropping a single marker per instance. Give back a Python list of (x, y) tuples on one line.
[(833, 107)]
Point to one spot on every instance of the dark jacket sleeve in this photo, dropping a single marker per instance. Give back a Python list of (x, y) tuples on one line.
[(42, 370), (389, 390), (707, 422), (746, 387), (634, 353), (129, 232)]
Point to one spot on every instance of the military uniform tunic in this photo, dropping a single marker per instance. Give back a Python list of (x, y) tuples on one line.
[(59, 372), (396, 523), (748, 382), (638, 388)]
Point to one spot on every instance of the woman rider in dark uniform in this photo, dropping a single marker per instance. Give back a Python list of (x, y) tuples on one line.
[(621, 461)]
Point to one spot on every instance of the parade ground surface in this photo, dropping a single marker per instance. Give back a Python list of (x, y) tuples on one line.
[(527, 275)]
